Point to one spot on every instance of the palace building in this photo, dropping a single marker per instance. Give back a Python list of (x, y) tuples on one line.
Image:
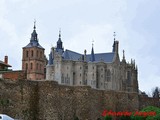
[(103, 71)]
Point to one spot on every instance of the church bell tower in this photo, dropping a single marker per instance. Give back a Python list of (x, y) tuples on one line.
[(33, 60)]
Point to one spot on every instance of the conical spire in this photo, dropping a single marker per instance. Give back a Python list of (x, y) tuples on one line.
[(34, 34), (92, 54), (34, 25), (59, 42), (123, 54), (114, 43), (60, 48)]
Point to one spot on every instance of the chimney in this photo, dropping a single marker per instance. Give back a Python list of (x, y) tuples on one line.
[(6, 59)]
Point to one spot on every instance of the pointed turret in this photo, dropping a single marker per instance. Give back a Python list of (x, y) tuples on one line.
[(34, 33), (123, 59), (60, 48), (115, 44), (92, 54)]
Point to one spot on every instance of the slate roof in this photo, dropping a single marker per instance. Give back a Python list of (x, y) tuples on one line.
[(33, 44), (34, 40), (2, 63), (71, 55)]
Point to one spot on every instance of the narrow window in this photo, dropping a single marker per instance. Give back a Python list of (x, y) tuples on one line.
[(41, 54), (26, 66), (31, 65), (108, 75), (32, 53), (27, 54)]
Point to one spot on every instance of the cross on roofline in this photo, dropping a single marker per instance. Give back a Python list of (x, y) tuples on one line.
[(114, 34)]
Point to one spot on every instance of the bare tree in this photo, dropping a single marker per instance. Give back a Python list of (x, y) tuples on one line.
[(156, 92)]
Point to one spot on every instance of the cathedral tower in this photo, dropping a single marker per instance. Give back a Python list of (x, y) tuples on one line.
[(33, 60)]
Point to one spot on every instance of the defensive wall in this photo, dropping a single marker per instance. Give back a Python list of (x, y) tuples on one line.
[(47, 100)]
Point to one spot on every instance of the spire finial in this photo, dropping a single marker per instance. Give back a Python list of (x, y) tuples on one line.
[(34, 24), (92, 43), (114, 34), (92, 53), (59, 32)]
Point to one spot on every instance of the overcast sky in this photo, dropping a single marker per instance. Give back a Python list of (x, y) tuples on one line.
[(136, 23)]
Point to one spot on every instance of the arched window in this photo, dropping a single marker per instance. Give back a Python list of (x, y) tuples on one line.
[(41, 54), (31, 66), (26, 66), (32, 53), (27, 53), (108, 75)]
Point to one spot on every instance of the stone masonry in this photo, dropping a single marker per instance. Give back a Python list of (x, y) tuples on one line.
[(47, 100)]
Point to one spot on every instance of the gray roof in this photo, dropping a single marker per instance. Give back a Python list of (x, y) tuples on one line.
[(34, 43), (71, 55)]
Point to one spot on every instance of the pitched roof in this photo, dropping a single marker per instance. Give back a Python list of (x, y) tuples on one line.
[(34, 39), (71, 55), (33, 44), (2, 63)]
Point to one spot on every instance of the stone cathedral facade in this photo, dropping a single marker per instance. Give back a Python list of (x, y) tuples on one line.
[(104, 71)]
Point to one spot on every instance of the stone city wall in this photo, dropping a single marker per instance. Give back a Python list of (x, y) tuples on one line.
[(46, 100)]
